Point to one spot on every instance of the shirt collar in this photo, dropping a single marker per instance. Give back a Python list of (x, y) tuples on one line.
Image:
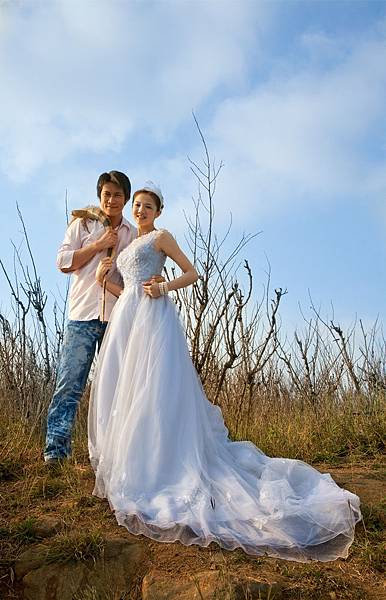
[(126, 223)]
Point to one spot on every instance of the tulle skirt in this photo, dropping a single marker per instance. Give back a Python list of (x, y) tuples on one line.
[(163, 459)]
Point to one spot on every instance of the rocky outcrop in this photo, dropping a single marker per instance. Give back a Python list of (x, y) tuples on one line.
[(31, 559), (111, 575), (114, 572), (208, 585)]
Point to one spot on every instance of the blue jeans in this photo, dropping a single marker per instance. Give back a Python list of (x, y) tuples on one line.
[(78, 350)]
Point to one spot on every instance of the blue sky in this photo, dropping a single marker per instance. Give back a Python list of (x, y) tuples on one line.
[(291, 97)]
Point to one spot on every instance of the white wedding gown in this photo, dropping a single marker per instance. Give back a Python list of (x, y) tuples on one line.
[(161, 452)]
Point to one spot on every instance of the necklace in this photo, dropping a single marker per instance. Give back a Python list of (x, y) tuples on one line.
[(146, 233)]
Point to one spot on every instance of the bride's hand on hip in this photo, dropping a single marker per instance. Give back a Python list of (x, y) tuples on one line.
[(151, 289), (104, 267), (155, 279)]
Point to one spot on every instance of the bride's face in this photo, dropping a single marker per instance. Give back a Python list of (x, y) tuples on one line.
[(145, 210)]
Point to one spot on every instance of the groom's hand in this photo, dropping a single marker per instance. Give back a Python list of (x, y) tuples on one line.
[(109, 239)]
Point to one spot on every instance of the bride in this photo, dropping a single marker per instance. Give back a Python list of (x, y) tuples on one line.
[(160, 450)]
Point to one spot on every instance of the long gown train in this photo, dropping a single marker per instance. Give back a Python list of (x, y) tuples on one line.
[(162, 455)]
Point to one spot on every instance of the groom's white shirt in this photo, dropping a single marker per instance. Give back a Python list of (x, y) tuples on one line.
[(85, 298)]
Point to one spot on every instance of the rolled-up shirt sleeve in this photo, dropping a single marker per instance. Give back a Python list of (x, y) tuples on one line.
[(72, 241)]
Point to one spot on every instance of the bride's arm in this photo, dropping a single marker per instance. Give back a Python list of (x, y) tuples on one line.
[(166, 242)]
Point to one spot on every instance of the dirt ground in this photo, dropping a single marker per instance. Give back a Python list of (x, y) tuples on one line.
[(28, 492)]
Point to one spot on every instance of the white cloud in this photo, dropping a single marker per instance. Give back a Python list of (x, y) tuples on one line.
[(80, 76), (310, 134), (296, 115)]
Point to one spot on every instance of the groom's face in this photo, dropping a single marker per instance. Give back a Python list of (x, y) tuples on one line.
[(112, 200)]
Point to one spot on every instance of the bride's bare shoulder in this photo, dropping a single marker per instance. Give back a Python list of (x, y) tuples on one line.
[(164, 238)]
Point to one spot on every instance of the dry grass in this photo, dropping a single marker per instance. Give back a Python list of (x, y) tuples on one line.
[(326, 432), (29, 492)]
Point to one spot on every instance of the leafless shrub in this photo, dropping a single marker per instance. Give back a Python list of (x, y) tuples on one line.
[(318, 395), (28, 346), (244, 360), (219, 317)]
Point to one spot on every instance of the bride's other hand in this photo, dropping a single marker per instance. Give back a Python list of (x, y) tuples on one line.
[(103, 268), (155, 279), (151, 288)]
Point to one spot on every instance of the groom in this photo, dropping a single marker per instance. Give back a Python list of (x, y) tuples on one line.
[(84, 244)]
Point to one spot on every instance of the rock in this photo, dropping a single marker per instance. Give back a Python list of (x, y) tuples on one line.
[(160, 587), (55, 581), (257, 590), (208, 585), (31, 559), (109, 576), (46, 527), (114, 546)]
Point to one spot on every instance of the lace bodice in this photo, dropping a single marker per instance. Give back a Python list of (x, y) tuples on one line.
[(140, 260)]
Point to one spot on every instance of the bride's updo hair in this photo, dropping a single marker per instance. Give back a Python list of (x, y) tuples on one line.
[(154, 192)]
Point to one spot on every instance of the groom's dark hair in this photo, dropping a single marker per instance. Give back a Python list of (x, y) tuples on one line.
[(115, 177)]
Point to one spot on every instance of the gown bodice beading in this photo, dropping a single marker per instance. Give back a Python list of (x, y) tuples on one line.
[(141, 260)]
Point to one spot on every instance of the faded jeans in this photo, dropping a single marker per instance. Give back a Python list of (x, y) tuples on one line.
[(79, 345)]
